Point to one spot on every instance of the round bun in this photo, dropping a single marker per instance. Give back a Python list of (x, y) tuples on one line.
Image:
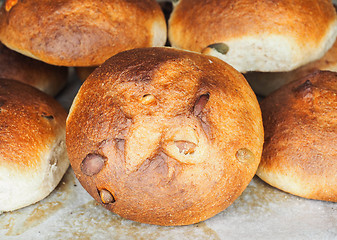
[(265, 83), (47, 78), (167, 137), (33, 155), (255, 35), (300, 122), (80, 33)]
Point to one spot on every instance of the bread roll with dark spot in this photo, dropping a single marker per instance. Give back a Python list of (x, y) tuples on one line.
[(250, 35), (300, 121), (80, 33), (164, 136), (33, 156)]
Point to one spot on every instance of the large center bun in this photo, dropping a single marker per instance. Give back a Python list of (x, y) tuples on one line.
[(164, 136)]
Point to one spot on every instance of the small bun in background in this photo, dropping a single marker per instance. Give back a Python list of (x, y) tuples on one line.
[(266, 36), (47, 78)]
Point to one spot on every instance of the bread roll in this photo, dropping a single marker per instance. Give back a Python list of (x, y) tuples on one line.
[(252, 35), (80, 33), (300, 121), (47, 78), (264, 83), (33, 155), (163, 136)]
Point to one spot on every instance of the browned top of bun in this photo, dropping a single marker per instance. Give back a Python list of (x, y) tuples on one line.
[(300, 121), (218, 21), (47, 78), (173, 136), (29, 122), (79, 33)]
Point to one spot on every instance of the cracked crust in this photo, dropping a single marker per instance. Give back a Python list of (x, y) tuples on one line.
[(170, 124)]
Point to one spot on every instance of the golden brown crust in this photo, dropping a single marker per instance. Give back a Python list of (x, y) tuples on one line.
[(47, 78), (80, 33), (30, 122), (194, 25), (180, 135), (300, 122)]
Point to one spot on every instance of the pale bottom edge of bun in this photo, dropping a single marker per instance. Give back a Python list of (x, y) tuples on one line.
[(23, 52), (296, 186), (18, 189), (258, 52)]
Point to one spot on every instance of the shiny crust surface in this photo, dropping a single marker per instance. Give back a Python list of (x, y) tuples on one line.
[(180, 135), (30, 121), (300, 122), (91, 32)]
